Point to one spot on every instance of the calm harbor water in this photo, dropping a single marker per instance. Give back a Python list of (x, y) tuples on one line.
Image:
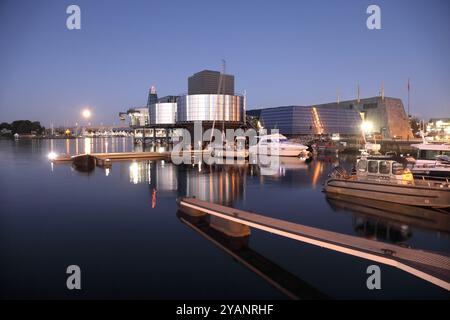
[(121, 226)]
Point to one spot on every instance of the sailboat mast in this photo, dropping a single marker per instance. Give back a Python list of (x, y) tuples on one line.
[(218, 102)]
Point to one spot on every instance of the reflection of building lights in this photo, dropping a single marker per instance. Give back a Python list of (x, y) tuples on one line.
[(87, 145), (107, 171), (134, 173), (52, 155), (316, 173)]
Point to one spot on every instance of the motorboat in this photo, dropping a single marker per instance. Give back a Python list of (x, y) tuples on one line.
[(328, 146), (431, 160), (84, 162), (277, 144), (388, 179)]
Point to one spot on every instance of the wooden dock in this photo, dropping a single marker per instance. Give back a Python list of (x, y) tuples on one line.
[(429, 266), (114, 156)]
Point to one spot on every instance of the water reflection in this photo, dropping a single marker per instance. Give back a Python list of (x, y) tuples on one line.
[(161, 175), (228, 185), (219, 184), (225, 235), (222, 184), (74, 146), (387, 221)]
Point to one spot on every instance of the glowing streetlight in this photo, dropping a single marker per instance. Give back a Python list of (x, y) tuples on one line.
[(367, 127), (86, 113)]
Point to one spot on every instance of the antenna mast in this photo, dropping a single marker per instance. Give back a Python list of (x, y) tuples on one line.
[(218, 94)]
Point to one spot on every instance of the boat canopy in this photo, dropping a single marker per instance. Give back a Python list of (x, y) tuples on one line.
[(431, 146), (275, 136)]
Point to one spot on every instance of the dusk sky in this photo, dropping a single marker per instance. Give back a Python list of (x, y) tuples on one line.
[(281, 53)]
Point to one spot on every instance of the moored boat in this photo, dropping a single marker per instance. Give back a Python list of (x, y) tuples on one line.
[(84, 162), (277, 144), (387, 179), (235, 150), (431, 160)]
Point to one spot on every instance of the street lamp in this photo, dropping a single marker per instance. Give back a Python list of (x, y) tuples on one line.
[(86, 113), (367, 127)]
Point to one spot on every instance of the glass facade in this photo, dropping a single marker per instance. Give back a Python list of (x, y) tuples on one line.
[(210, 107), (163, 113), (293, 120)]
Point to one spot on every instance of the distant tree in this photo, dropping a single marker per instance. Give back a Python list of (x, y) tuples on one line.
[(414, 122), (26, 127), (36, 126), (5, 125)]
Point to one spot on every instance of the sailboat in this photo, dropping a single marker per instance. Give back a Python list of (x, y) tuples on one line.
[(226, 149)]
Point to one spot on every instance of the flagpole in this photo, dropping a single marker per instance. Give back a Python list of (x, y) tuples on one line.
[(358, 94)]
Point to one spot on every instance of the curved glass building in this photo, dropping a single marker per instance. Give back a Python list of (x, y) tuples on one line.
[(163, 113), (210, 107)]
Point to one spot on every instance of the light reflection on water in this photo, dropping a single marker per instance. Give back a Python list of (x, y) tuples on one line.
[(227, 184), (139, 197)]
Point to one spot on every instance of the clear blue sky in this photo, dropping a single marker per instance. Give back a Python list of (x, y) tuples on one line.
[(281, 52)]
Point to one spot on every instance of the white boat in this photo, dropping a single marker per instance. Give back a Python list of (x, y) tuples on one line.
[(431, 160), (277, 144)]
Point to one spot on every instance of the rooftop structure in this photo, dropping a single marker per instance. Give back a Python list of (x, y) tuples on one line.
[(207, 82)]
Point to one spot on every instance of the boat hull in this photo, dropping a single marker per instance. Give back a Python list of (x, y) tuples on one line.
[(429, 172), (397, 193), (84, 163), (230, 154), (280, 153)]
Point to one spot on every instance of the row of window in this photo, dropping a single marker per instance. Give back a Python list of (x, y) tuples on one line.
[(381, 167)]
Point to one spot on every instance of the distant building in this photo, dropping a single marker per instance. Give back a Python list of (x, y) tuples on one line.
[(152, 96), (207, 82), (164, 111), (439, 127), (206, 102), (386, 116), (139, 117)]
